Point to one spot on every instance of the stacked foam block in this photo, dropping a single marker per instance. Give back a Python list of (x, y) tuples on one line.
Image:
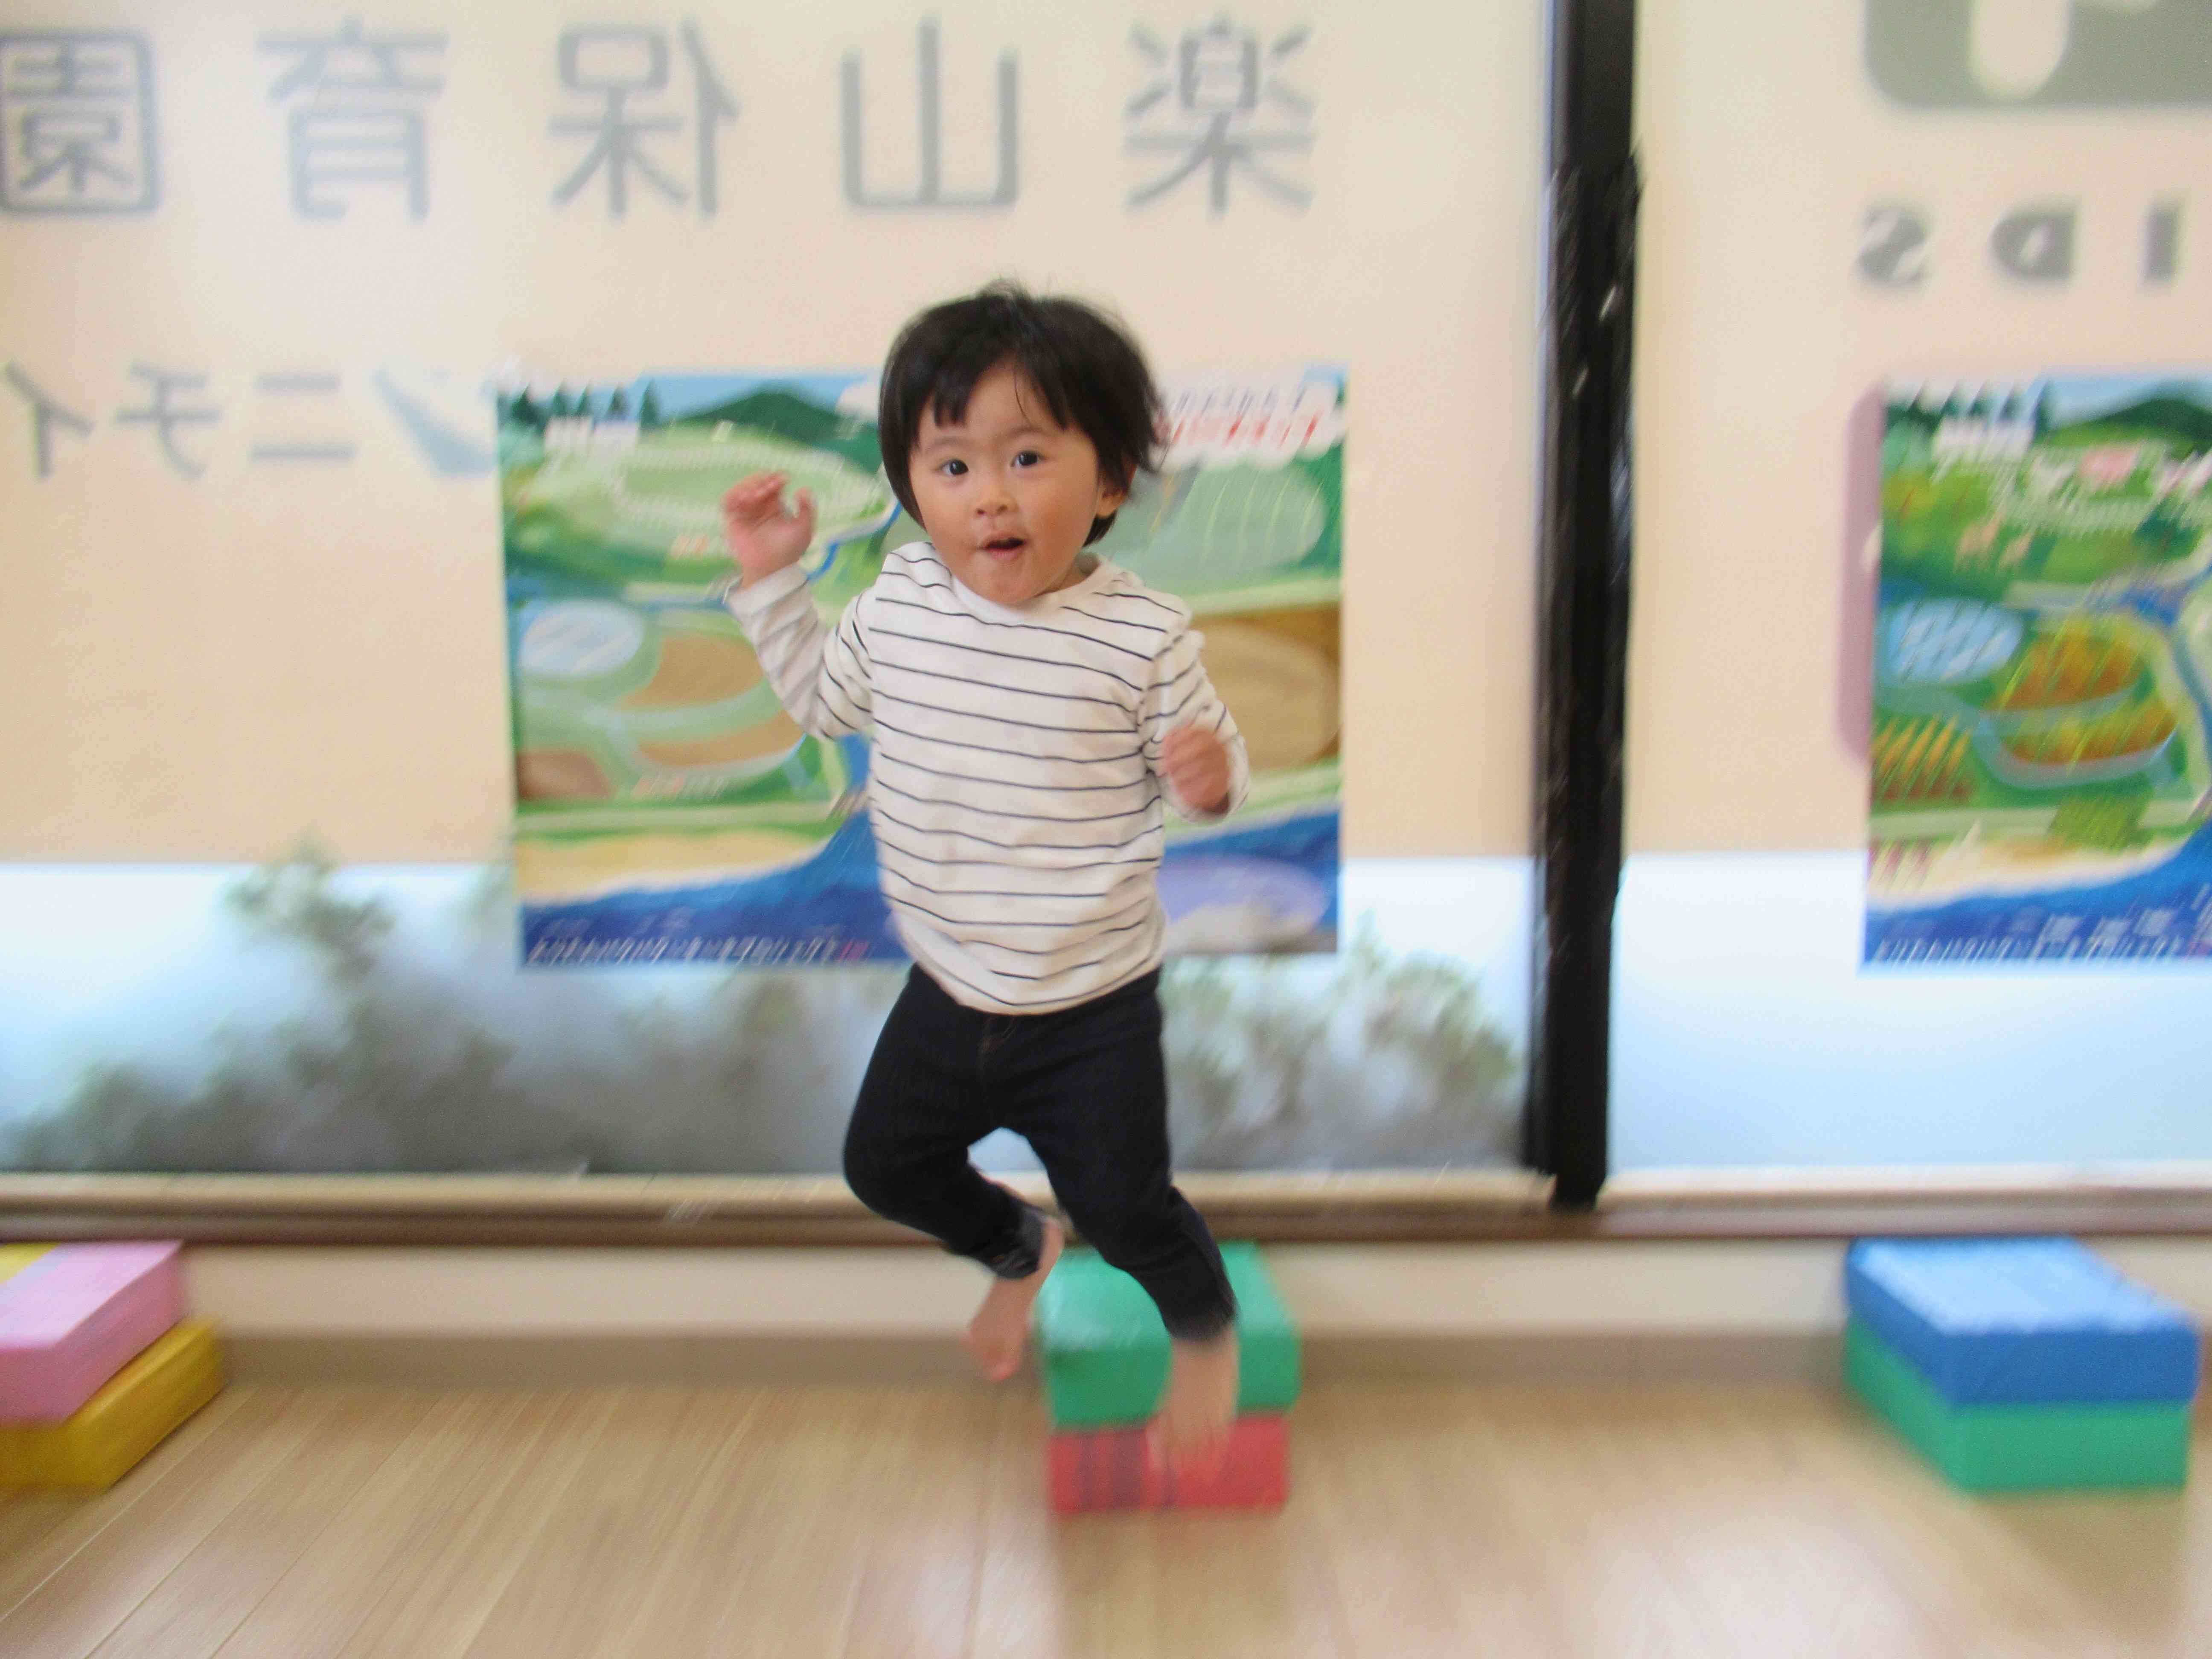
[(1105, 1357), (97, 1365), (2022, 1364)]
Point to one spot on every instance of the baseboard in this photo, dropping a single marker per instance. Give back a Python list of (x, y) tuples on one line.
[(1486, 1207), (1719, 1359), (1677, 1311), (507, 1361), (808, 1359)]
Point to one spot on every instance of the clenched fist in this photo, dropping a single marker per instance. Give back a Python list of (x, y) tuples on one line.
[(764, 537), (1195, 764)]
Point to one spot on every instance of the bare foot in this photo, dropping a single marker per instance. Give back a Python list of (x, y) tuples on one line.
[(999, 1332), (1192, 1429)]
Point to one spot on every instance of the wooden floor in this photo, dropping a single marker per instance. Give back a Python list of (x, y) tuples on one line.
[(298, 1524)]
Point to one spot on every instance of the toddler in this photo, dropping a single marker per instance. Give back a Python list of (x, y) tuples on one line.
[(1032, 708)]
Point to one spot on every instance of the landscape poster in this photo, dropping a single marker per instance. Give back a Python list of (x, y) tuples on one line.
[(667, 808), (2043, 673)]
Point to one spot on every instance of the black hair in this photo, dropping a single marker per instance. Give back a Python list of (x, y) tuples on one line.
[(1087, 369)]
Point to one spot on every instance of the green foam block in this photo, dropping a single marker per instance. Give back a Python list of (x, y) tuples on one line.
[(1105, 1351), (2041, 1448)]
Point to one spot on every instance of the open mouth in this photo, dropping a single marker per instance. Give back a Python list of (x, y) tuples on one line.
[(1005, 546)]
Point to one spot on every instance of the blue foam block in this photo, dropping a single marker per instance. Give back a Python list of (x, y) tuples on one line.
[(1999, 1321)]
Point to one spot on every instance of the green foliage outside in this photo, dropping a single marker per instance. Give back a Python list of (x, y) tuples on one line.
[(409, 1059)]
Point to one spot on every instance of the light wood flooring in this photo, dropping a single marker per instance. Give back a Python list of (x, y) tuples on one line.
[(315, 1523)]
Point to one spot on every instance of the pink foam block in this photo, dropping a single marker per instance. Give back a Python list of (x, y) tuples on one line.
[(77, 1316), (1115, 1469)]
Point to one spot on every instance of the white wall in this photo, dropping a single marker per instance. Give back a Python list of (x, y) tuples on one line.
[(1333, 1290), (1766, 143), (206, 669)]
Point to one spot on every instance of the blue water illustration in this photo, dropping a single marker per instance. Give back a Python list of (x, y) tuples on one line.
[(2160, 912), (830, 910)]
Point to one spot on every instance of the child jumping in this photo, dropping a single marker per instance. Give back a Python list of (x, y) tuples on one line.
[(1032, 707)]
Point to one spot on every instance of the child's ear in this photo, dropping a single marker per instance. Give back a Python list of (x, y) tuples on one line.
[(1110, 497)]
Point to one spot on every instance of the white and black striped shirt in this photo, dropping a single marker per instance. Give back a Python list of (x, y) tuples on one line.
[(1015, 788)]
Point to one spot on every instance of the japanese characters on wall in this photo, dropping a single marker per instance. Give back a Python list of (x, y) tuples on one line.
[(77, 110), (639, 114), (669, 810), (640, 110), (2042, 727)]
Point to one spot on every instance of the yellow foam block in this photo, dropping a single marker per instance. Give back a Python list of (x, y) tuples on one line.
[(145, 1402), (14, 1258)]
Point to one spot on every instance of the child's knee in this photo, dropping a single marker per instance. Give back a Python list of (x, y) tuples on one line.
[(871, 1165), (1125, 1226)]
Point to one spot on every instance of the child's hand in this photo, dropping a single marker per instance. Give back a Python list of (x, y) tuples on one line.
[(765, 538), (1194, 762)]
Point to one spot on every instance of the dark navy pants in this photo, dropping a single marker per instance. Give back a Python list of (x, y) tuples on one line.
[(1087, 1088)]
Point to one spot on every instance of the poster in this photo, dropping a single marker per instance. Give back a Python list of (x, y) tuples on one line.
[(668, 811), (2043, 673)]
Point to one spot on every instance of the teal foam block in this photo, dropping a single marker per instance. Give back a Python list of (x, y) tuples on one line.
[(2039, 1447), (1105, 1351)]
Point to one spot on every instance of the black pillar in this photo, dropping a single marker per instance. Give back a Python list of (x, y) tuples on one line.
[(1582, 617)]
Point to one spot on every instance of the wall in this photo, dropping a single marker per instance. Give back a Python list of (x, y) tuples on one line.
[(205, 668), (1766, 144), (1825, 185)]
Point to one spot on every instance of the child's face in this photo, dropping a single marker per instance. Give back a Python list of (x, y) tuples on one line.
[(1006, 494)]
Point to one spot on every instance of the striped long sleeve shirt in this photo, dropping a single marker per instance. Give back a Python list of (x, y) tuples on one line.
[(1014, 788)]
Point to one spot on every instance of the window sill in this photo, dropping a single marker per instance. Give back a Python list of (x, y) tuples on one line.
[(1472, 1207)]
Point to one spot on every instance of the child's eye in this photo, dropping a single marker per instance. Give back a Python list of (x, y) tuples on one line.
[(1028, 457), (952, 469)]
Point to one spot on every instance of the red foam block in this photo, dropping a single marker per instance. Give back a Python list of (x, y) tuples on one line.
[(74, 1318), (1115, 1469)]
